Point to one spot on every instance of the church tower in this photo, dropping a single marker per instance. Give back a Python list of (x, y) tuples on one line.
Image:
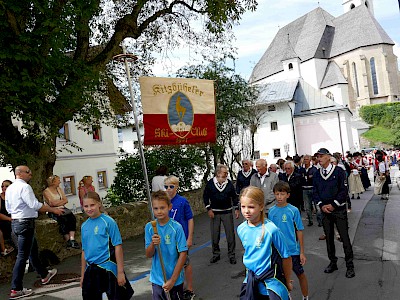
[(350, 4)]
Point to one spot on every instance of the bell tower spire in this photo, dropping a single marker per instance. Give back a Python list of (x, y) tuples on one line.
[(350, 4)]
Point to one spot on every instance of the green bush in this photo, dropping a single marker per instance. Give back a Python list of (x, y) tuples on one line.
[(385, 118), (185, 162)]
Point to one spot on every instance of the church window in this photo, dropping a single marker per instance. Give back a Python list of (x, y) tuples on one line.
[(290, 66), (352, 6), (330, 96), (366, 3), (271, 108), (274, 126), (256, 154), (355, 79), (373, 75)]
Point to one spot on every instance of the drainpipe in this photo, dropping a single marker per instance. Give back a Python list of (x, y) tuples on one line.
[(340, 132), (294, 132)]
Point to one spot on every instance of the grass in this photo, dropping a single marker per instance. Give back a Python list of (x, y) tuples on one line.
[(379, 134)]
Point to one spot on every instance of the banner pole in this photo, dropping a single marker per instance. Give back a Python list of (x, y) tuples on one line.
[(130, 57)]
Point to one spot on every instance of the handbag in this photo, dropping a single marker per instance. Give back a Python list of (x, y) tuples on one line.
[(379, 182)]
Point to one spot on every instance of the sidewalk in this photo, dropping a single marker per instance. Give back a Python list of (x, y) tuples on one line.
[(377, 276)]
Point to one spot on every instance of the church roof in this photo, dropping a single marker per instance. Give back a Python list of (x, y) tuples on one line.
[(310, 101), (357, 28), (276, 92), (332, 76), (318, 34)]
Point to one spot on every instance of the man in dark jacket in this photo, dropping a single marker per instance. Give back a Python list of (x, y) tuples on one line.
[(220, 199), (329, 192), (244, 175), (295, 181)]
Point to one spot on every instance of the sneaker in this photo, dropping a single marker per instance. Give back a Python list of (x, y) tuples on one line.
[(20, 294), (49, 276), (75, 244), (7, 251), (188, 295), (69, 244), (350, 272)]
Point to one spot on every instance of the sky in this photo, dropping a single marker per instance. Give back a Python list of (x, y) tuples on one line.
[(257, 30)]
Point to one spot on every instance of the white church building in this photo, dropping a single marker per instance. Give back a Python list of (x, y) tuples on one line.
[(316, 74)]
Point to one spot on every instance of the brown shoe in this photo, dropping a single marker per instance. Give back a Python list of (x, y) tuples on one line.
[(322, 237)]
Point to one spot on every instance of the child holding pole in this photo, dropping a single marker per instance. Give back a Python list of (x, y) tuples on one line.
[(165, 243)]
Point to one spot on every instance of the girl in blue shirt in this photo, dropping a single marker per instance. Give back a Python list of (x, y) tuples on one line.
[(102, 268), (266, 252)]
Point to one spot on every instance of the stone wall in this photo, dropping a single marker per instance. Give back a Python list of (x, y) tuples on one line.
[(131, 219)]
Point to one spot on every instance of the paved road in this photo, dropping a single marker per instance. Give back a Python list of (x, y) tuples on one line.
[(374, 231)]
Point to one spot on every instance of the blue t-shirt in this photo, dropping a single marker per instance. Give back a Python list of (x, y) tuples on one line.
[(96, 237), (288, 220), (173, 241), (258, 253), (181, 212)]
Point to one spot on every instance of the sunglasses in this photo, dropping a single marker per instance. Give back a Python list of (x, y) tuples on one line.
[(171, 186)]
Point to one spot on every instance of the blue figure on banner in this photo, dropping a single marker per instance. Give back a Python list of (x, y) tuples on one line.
[(180, 114)]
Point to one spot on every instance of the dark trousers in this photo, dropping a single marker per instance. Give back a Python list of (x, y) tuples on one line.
[(65, 222), (308, 203), (158, 293), (24, 229), (227, 220), (97, 281), (338, 217)]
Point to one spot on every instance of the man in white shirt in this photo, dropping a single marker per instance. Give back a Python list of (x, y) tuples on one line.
[(24, 207)]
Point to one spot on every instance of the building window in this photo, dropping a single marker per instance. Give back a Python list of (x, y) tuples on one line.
[(366, 3), (274, 126), (373, 76), (352, 6), (290, 66), (96, 132), (69, 185), (355, 79), (120, 136), (64, 132), (257, 154), (277, 153), (330, 96), (271, 108), (102, 180)]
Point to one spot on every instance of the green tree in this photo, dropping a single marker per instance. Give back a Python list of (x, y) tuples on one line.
[(234, 107), (55, 62), (185, 162)]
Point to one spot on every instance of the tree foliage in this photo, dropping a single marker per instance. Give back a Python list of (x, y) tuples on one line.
[(386, 115), (186, 163), (55, 61), (234, 106)]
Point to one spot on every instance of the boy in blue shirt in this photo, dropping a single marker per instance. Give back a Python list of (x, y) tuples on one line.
[(171, 241), (182, 213), (287, 218)]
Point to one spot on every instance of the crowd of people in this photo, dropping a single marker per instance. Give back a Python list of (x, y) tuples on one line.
[(271, 200)]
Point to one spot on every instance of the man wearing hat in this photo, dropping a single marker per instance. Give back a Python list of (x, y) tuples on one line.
[(329, 193)]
